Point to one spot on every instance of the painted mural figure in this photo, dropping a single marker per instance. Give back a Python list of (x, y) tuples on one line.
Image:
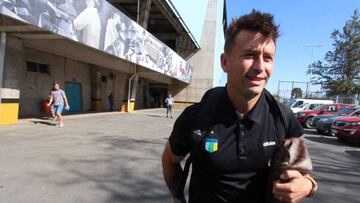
[(115, 36), (129, 42), (58, 17), (89, 22), (98, 24), (17, 9), (67, 7), (139, 47)]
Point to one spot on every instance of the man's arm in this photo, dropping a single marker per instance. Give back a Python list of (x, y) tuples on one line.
[(65, 98), (66, 101), (51, 100), (171, 169)]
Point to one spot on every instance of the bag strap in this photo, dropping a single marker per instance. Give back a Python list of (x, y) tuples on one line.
[(209, 102), (280, 118)]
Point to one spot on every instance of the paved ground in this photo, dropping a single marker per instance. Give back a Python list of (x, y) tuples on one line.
[(115, 157)]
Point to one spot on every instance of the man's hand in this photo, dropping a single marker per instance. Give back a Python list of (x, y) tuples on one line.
[(295, 188)]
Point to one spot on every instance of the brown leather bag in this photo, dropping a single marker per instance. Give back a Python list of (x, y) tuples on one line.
[(291, 155)]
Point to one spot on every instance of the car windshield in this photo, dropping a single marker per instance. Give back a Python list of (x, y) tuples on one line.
[(344, 111), (317, 108), (303, 105)]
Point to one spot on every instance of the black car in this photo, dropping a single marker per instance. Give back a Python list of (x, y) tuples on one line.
[(322, 123)]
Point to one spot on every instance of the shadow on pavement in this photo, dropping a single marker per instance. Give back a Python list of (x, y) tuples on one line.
[(44, 123), (353, 153), (127, 170), (336, 174), (156, 116), (311, 132)]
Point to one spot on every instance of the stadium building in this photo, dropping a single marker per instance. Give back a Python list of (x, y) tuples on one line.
[(137, 50)]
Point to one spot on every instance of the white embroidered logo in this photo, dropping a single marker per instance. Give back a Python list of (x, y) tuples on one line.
[(271, 143), (198, 132)]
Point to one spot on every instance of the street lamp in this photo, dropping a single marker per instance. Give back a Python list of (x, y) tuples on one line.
[(312, 46)]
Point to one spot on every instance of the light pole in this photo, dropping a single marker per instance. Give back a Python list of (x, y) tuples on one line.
[(312, 46)]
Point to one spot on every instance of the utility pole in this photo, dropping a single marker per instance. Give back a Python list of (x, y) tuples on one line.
[(312, 46)]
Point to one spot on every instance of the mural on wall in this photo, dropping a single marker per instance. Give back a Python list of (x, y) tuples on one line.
[(98, 24)]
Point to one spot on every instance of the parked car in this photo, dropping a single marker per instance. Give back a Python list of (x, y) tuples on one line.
[(297, 102), (322, 123), (306, 106), (347, 128), (305, 117)]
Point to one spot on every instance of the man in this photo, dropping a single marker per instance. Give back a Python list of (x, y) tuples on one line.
[(52, 109), (58, 98), (169, 104), (230, 156), (111, 101)]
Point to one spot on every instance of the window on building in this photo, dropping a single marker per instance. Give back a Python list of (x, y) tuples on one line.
[(37, 67)]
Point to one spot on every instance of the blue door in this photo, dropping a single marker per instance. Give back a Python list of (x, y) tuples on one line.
[(73, 93)]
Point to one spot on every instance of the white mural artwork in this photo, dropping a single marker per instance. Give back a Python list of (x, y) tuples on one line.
[(98, 24)]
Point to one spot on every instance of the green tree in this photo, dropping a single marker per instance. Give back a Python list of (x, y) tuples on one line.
[(296, 93), (340, 74)]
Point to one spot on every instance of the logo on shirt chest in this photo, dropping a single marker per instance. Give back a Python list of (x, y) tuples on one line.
[(269, 143), (211, 142)]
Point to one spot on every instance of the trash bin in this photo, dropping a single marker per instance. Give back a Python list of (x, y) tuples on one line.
[(45, 107)]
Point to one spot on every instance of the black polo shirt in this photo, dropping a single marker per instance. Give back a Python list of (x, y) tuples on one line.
[(230, 156)]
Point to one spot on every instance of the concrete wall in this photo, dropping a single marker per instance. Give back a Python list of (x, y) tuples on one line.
[(79, 72), (14, 58), (101, 90), (202, 61), (34, 87)]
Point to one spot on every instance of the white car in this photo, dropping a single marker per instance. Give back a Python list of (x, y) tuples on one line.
[(305, 106)]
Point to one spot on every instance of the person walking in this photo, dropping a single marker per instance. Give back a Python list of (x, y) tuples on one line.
[(111, 101), (52, 109), (169, 104), (59, 100)]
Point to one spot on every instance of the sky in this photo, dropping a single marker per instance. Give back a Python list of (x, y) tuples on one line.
[(305, 22)]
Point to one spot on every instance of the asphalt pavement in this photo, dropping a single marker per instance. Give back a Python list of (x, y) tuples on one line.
[(116, 157)]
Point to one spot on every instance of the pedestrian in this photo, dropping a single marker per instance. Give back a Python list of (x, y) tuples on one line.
[(52, 109), (169, 104), (237, 125), (111, 101), (59, 100)]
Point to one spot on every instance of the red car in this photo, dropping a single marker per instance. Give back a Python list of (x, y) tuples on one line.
[(347, 128), (305, 117)]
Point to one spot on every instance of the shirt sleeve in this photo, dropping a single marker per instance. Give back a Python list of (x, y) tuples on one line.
[(294, 127), (179, 139), (62, 93)]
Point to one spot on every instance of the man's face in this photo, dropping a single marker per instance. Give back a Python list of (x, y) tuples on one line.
[(249, 63)]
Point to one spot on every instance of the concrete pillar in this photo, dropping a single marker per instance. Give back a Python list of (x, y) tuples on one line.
[(144, 13), (11, 62), (2, 59), (202, 61), (133, 83), (96, 89)]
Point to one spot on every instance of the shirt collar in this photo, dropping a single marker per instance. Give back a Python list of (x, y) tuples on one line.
[(255, 114)]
